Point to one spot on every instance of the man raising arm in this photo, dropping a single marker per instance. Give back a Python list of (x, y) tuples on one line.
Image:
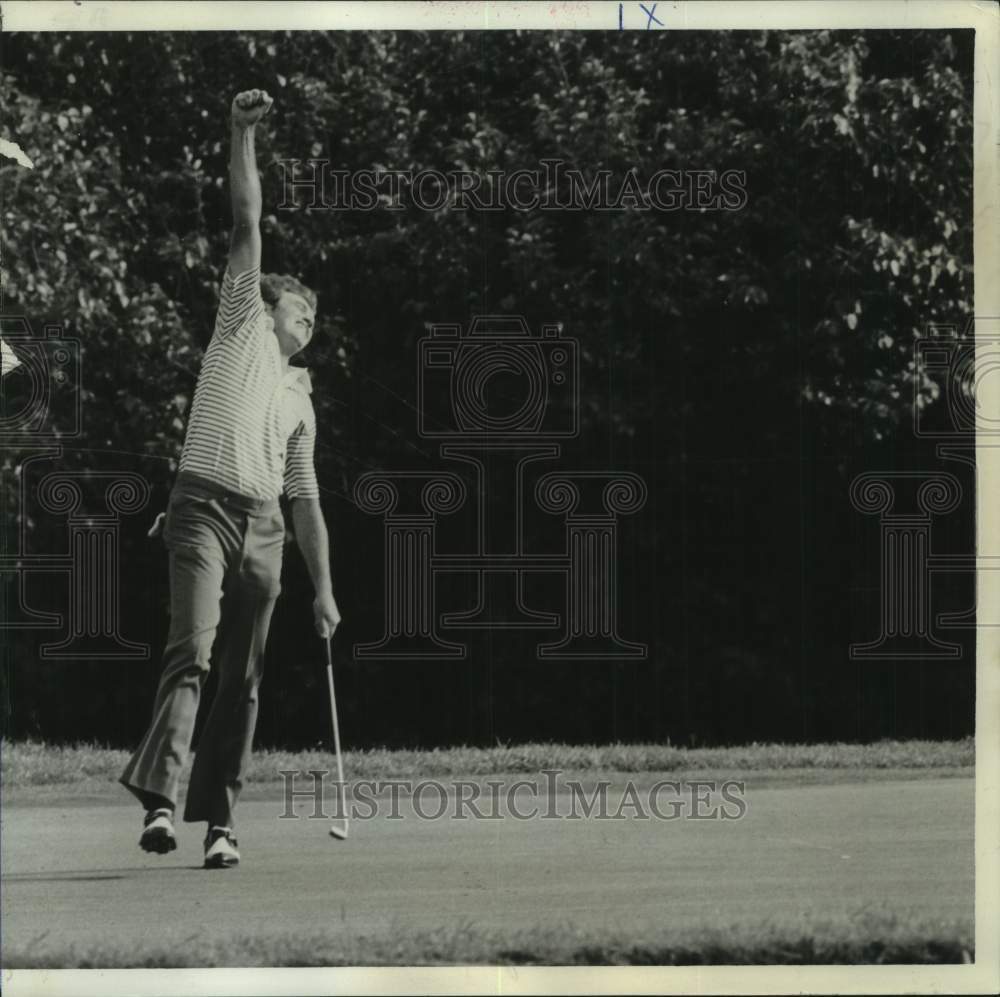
[(244, 254), (251, 435)]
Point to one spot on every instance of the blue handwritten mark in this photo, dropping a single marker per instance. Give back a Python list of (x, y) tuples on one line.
[(651, 15), (621, 26)]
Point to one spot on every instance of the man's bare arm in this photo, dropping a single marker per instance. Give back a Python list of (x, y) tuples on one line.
[(244, 183), (314, 542)]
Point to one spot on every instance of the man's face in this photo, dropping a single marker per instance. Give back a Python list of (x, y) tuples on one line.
[(293, 322)]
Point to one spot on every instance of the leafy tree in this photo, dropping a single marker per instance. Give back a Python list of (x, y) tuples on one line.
[(725, 355)]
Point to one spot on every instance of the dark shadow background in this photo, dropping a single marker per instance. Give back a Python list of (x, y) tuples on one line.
[(748, 365)]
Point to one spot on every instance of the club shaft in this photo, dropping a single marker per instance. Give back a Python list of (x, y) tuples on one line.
[(341, 788), (336, 725)]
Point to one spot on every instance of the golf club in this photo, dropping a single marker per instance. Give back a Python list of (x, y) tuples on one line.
[(336, 831)]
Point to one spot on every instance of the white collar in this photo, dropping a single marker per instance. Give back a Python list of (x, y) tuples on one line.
[(298, 379)]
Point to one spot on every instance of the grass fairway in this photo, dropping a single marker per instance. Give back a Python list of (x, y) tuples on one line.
[(866, 937), (34, 763), (846, 854)]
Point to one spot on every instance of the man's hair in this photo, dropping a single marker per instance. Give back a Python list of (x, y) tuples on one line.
[(273, 284)]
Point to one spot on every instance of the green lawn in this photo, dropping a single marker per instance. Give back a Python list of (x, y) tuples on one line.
[(864, 937), (860, 936), (34, 763)]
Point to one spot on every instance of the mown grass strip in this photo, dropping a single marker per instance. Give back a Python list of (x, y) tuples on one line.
[(35, 763), (876, 940)]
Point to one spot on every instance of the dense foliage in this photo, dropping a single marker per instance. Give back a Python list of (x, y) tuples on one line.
[(746, 363)]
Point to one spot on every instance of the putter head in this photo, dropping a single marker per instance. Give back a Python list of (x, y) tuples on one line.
[(340, 833)]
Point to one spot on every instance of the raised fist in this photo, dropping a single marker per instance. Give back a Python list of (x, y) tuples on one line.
[(250, 106)]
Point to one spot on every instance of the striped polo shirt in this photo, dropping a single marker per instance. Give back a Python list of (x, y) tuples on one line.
[(252, 428)]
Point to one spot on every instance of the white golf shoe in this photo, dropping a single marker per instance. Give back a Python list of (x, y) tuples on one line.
[(158, 832), (220, 848)]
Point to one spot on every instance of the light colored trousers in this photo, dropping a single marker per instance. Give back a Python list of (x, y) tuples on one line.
[(225, 571)]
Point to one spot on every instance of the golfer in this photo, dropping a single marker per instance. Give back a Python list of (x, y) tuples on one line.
[(251, 434)]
